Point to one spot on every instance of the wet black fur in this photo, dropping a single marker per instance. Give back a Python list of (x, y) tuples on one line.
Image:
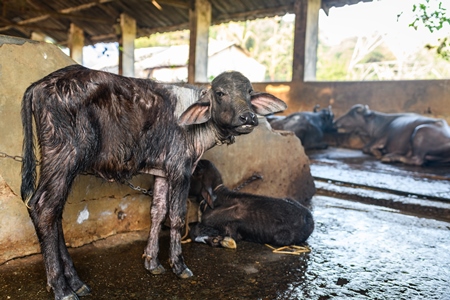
[(117, 127), (309, 127), (244, 216), (97, 122)]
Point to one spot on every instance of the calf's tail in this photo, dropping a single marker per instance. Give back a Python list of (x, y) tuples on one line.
[(28, 156)]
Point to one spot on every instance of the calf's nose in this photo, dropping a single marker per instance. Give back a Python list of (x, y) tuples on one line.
[(249, 118)]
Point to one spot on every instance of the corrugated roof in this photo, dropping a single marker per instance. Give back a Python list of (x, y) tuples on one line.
[(99, 18)]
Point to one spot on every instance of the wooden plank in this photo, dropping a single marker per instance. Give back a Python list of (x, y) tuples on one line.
[(76, 43), (126, 49), (200, 20)]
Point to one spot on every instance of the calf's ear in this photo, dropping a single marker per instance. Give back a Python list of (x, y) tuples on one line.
[(367, 112), (197, 113), (265, 103), (316, 108), (209, 196)]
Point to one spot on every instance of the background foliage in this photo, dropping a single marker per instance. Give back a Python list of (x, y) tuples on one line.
[(364, 57)]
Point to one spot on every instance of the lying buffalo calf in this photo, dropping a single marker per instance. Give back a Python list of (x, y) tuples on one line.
[(408, 138), (117, 127), (242, 216), (309, 127)]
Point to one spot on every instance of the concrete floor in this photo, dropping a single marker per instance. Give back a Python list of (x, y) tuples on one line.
[(359, 250), (352, 175)]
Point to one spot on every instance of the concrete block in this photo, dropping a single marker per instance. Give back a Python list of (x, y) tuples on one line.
[(278, 156)]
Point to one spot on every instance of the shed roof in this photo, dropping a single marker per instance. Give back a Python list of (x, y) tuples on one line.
[(99, 18)]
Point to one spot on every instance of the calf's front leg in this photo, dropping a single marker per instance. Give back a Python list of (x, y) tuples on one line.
[(201, 233), (158, 214), (177, 214)]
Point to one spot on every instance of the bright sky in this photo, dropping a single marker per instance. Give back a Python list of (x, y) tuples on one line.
[(380, 16)]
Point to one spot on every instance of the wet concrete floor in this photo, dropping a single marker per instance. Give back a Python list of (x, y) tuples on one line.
[(358, 251), (352, 175)]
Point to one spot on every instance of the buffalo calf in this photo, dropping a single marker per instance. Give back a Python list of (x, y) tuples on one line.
[(403, 137), (116, 127), (309, 127), (244, 216)]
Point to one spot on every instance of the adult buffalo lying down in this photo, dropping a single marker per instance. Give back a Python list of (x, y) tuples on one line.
[(406, 137), (309, 127), (116, 127), (229, 216)]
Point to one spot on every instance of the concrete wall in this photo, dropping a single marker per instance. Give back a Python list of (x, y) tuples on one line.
[(428, 97), (97, 209)]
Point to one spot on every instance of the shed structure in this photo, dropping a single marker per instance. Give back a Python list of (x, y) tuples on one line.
[(75, 23)]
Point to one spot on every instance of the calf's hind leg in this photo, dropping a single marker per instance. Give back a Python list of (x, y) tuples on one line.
[(79, 287), (46, 207)]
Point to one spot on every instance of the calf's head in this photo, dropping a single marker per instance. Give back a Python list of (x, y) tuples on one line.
[(232, 105), (327, 117), (355, 120), (204, 182)]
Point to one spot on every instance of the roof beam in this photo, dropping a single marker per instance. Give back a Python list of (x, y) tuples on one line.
[(7, 22), (250, 15), (175, 3), (48, 13), (34, 27), (64, 12), (84, 6), (141, 31)]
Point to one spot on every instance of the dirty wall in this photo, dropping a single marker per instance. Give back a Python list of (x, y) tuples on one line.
[(97, 209), (427, 97)]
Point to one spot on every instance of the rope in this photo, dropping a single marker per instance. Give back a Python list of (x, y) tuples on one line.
[(255, 176), (293, 249)]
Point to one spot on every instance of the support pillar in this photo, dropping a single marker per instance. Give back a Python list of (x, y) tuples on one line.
[(126, 45), (76, 43), (35, 36), (199, 22), (306, 39)]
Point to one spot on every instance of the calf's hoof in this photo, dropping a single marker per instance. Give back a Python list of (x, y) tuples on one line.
[(185, 274), (388, 159), (228, 242), (84, 290), (158, 270), (71, 297)]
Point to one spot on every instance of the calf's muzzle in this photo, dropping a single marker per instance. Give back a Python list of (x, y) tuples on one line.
[(247, 122)]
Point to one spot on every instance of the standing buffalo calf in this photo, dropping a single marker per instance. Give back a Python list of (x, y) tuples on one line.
[(242, 216), (408, 138), (117, 127), (309, 127)]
